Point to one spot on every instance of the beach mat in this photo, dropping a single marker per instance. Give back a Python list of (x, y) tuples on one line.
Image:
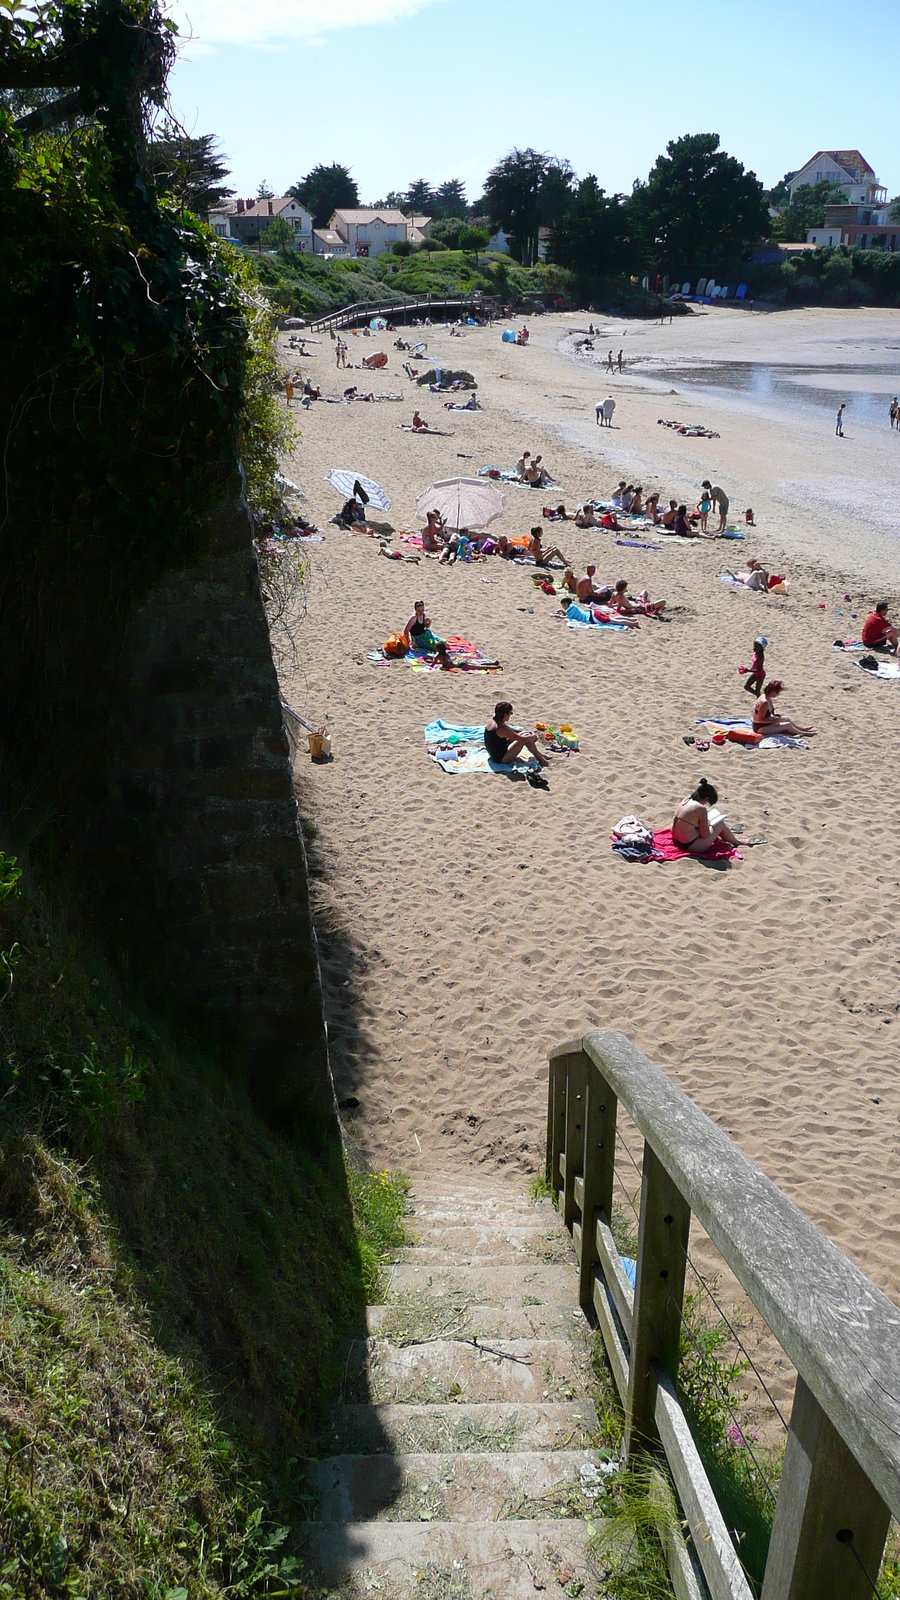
[(458, 749)]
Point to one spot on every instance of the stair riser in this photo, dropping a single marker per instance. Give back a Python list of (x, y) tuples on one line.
[(452, 1488)]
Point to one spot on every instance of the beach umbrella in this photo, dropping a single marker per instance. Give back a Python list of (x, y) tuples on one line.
[(462, 502), (342, 479)]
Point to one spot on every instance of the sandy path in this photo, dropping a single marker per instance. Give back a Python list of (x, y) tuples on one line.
[(467, 924)]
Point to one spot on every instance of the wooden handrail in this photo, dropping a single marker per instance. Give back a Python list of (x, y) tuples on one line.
[(842, 1465)]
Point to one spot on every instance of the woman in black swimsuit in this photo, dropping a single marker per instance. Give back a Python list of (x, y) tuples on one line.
[(503, 742)]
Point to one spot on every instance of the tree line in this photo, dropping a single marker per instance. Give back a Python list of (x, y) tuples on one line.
[(697, 204)]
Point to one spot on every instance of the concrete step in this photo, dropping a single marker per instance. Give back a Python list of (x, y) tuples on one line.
[(525, 1370), (526, 1282), (548, 1425), (454, 1487), (503, 1560), (539, 1251), (412, 1315), (464, 1238)]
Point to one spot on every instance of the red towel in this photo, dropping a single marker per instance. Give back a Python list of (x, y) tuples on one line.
[(664, 845)]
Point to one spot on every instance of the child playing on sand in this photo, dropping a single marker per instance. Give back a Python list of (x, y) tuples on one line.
[(756, 677)]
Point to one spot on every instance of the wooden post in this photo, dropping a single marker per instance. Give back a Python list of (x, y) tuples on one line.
[(599, 1170), (659, 1293), (576, 1097), (830, 1522), (556, 1120)]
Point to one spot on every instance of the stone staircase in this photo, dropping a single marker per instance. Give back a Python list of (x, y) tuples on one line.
[(463, 1463)]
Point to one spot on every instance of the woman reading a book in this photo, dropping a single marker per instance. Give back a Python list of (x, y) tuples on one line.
[(693, 828)]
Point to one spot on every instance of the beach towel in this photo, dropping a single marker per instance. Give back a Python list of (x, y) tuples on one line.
[(407, 427), (772, 741), (849, 644), (580, 617), (661, 847), (466, 658), (635, 544), (665, 849), (881, 669), (457, 749)]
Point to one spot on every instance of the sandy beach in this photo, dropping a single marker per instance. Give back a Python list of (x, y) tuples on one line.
[(467, 923)]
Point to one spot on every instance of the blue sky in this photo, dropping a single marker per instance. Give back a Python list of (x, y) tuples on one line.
[(403, 89)]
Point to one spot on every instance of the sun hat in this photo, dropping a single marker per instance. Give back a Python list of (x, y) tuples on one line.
[(761, 640)]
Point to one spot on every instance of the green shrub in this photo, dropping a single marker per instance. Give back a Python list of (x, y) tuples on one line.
[(403, 247)]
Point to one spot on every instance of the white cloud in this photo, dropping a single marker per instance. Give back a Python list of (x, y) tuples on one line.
[(265, 22)]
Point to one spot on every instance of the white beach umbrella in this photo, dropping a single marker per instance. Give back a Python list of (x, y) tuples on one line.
[(462, 502), (342, 479)]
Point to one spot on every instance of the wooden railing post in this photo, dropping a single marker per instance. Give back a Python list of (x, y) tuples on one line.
[(830, 1522), (556, 1121), (664, 1227), (576, 1097), (599, 1172)]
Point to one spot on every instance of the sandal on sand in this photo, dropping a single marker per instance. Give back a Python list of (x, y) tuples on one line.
[(537, 780), (702, 744), (688, 738)]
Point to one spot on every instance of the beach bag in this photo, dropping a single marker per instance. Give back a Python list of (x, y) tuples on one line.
[(743, 736), (396, 647), (319, 744)]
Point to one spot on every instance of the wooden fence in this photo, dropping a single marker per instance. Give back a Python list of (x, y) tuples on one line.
[(841, 1475), (401, 310)]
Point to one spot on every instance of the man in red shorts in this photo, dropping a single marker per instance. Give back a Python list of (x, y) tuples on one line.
[(878, 633)]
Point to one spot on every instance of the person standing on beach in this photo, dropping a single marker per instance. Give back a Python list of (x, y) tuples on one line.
[(620, 360), (289, 391), (719, 500), (756, 677), (895, 413), (610, 364), (839, 424)]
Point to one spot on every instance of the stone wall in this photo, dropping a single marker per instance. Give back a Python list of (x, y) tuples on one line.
[(201, 782), (161, 780)]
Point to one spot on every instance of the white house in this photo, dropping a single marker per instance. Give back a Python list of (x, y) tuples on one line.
[(251, 218), (367, 232), (846, 167)]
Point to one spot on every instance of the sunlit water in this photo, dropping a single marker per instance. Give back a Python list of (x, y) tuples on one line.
[(866, 391)]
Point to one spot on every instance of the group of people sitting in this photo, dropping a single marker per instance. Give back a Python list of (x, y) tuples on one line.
[(531, 469)]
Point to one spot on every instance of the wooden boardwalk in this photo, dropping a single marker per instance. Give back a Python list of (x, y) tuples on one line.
[(398, 311)]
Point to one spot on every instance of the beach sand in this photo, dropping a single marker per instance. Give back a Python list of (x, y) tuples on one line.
[(467, 924)]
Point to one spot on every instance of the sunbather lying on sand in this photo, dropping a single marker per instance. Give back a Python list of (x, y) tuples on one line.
[(587, 517), (642, 606), (766, 719), (691, 827), (558, 514), (503, 742)]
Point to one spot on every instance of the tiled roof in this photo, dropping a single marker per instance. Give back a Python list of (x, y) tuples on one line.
[(261, 207), (356, 218)]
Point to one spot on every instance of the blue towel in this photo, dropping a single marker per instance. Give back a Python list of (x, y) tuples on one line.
[(439, 732), (630, 1265)]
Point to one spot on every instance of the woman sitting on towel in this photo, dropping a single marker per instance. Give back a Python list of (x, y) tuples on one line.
[(766, 719), (542, 557), (418, 630), (504, 742), (691, 827), (433, 533), (651, 509)]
